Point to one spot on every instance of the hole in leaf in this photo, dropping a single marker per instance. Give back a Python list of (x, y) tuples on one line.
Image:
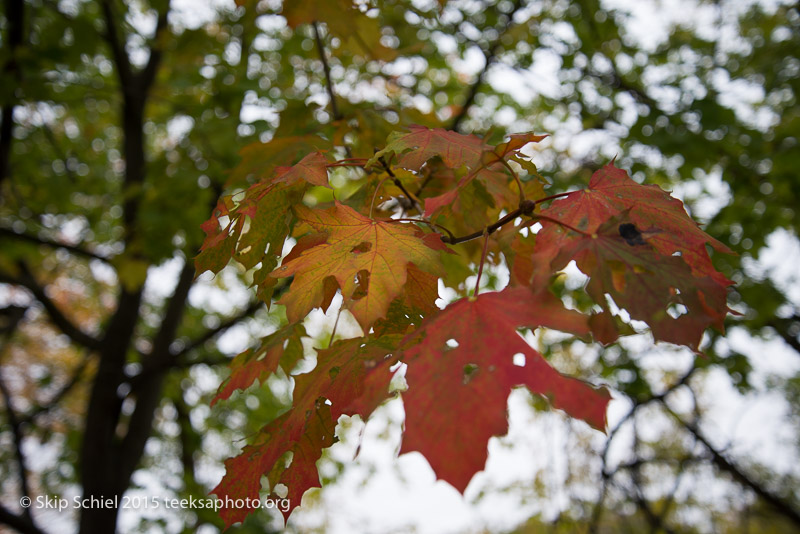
[(451, 344), (364, 246), (676, 310), (519, 359), (362, 285), (470, 370), (281, 490), (631, 234)]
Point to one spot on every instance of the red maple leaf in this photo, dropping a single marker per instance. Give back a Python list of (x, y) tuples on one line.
[(461, 370), (621, 263), (352, 377), (415, 148), (611, 193)]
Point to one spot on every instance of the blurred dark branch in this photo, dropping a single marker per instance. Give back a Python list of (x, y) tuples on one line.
[(251, 309), (594, 522), (490, 56), (19, 523), (30, 238), (16, 431), (15, 20), (135, 87), (176, 359), (149, 391), (190, 443), (614, 80), (722, 463), (117, 45), (327, 70), (782, 327), (188, 437), (655, 520), (27, 280), (148, 74), (60, 394), (59, 152)]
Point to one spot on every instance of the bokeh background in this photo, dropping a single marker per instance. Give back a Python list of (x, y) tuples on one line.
[(122, 121)]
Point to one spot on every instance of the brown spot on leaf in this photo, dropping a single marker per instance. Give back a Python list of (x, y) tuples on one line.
[(362, 285), (364, 246), (631, 234)]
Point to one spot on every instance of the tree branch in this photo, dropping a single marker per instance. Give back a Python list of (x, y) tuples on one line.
[(60, 394), (173, 360), (327, 70), (28, 281), (492, 228), (16, 431), (594, 522), (15, 19), (148, 74), (148, 392), (121, 60), (19, 523), (780, 505), (490, 56), (30, 238), (781, 327), (221, 328)]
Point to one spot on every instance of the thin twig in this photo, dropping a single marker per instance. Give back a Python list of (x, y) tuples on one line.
[(560, 223), (335, 324), (516, 179), (398, 183), (594, 522), (423, 221), (483, 260), (343, 163), (16, 430), (552, 197), (375, 195), (490, 57), (327, 70), (782, 506)]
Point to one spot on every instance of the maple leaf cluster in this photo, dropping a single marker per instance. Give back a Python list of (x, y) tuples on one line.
[(385, 253)]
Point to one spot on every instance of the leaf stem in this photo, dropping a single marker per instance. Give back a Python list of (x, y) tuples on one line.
[(423, 221), (483, 260), (552, 197), (399, 184), (560, 223), (516, 179), (335, 324), (346, 164), (375, 195)]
